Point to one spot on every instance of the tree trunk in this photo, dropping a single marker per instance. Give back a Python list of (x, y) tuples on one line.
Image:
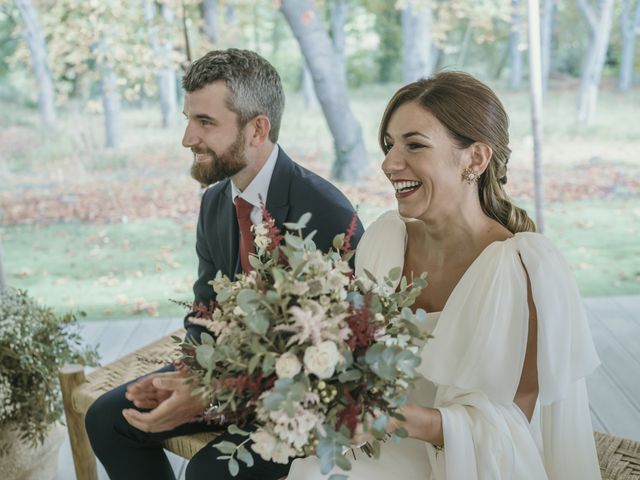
[(338, 20), (515, 54), (417, 58), (210, 17), (462, 55), (37, 45), (548, 17), (629, 26), (535, 84), (111, 105), (351, 156), (308, 91), (167, 75), (600, 27)]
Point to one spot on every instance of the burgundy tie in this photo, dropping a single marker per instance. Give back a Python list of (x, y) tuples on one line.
[(243, 213)]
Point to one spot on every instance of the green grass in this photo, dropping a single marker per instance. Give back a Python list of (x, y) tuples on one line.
[(105, 270)]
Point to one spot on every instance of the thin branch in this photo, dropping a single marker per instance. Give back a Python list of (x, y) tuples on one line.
[(587, 13)]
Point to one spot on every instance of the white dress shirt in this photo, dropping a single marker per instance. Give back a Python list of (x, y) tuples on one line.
[(259, 187)]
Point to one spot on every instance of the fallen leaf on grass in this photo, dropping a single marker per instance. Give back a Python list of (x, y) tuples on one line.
[(24, 272), (142, 306)]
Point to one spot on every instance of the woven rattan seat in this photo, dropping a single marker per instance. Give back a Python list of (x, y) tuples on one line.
[(619, 458)]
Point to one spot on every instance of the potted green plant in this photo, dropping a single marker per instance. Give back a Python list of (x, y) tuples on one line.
[(34, 342)]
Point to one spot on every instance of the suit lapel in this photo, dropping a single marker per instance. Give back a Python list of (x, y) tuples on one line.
[(228, 233), (278, 193)]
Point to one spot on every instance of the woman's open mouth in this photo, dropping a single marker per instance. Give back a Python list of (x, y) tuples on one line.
[(404, 188)]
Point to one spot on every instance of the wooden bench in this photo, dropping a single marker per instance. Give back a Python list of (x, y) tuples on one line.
[(619, 458), (80, 391)]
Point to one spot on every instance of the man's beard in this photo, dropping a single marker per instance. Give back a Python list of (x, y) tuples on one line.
[(220, 166)]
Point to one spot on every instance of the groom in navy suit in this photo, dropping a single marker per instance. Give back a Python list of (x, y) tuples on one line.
[(233, 105)]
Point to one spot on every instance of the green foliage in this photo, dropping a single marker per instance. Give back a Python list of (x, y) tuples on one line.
[(8, 43), (34, 343)]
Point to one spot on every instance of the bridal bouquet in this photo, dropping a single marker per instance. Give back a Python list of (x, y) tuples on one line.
[(304, 351)]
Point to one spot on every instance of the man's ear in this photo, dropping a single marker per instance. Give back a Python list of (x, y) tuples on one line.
[(479, 157), (261, 128)]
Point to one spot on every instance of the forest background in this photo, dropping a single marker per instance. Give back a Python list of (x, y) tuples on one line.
[(97, 208)]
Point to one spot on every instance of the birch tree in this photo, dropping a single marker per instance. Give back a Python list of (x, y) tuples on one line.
[(210, 17), (35, 37), (630, 28), (599, 21), (535, 89), (417, 24), (162, 51), (546, 40), (515, 52), (338, 14), (350, 153)]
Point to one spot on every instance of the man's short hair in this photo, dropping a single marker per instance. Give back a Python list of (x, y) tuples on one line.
[(255, 85)]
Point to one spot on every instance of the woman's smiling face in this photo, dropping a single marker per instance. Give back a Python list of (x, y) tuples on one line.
[(422, 162)]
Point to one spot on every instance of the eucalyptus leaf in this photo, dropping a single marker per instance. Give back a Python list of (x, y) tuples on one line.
[(255, 262), (268, 363), (342, 462), (234, 467), (225, 447), (245, 456), (326, 463), (206, 338), (233, 429), (349, 376), (273, 401), (204, 356), (401, 432), (253, 363), (380, 423), (395, 274), (293, 241)]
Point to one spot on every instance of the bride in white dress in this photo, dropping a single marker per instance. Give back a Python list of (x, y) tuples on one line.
[(504, 394)]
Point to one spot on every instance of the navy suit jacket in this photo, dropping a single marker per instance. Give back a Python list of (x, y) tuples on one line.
[(293, 191)]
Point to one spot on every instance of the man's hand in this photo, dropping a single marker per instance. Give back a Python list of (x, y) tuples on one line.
[(176, 406), (144, 394)]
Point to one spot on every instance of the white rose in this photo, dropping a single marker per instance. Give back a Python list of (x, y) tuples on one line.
[(287, 365), (321, 360), (263, 444)]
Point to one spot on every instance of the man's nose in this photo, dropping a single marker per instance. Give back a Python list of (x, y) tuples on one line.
[(189, 139)]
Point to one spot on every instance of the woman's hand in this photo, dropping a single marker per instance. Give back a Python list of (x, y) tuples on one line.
[(420, 422)]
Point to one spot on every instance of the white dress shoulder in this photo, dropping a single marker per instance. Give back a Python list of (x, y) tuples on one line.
[(473, 365)]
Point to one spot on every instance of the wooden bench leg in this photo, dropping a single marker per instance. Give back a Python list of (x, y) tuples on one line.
[(83, 458)]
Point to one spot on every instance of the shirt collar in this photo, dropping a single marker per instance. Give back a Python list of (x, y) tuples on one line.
[(259, 186)]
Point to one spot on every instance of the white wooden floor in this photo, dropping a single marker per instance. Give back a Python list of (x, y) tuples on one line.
[(614, 389)]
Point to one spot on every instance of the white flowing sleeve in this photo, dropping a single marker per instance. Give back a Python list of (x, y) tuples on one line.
[(476, 359), (381, 247)]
